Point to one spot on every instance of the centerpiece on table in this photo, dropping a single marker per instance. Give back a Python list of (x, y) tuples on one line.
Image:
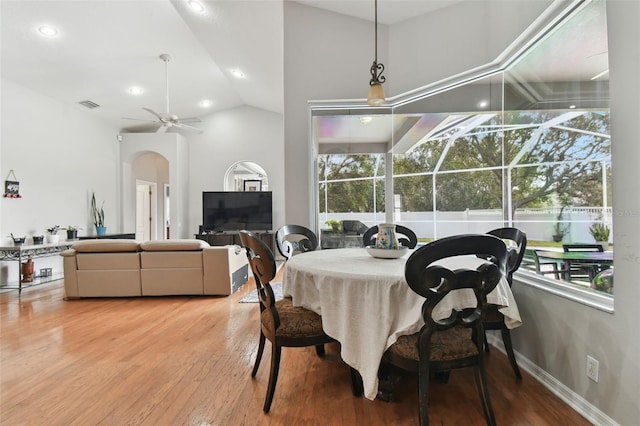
[(387, 245)]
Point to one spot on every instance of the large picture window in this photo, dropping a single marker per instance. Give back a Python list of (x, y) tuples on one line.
[(526, 146)]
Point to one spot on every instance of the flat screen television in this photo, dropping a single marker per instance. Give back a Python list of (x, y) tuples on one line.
[(234, 211)]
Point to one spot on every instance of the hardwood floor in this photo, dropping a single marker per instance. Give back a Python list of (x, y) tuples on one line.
[(187, 361)]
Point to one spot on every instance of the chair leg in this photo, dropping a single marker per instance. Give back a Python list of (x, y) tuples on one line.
[(486, 342), (259, 354), (320, 350), (506, 338), (483, 390), (423, 392), (273, 376)]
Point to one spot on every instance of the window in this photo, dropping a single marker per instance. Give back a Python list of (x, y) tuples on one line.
[(526, 145)]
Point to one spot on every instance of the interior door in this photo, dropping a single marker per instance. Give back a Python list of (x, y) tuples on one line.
[(145, 211)]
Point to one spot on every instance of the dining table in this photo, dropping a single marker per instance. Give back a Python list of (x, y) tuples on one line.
[(366, 303), (601, 259)]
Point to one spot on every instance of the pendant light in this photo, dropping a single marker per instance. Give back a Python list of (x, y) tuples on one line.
[(376, 92)]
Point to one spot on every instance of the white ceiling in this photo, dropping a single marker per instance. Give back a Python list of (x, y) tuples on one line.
[(105, 47)]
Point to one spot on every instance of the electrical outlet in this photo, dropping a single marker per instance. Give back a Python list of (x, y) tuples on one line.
[(592, 368)]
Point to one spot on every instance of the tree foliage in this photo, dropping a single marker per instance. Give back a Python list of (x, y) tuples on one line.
[(549, 165)]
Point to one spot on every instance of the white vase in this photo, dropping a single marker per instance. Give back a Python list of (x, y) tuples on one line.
[(387, 238), (53, 238)]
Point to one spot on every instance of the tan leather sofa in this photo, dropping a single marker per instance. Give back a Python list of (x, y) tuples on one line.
[(116, 268)]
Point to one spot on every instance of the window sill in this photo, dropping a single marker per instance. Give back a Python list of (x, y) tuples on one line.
[(594, 299)]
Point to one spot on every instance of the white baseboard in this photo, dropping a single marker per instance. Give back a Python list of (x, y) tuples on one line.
[(575, 401)]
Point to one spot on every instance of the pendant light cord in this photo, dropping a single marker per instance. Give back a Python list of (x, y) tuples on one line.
[(376, 29)]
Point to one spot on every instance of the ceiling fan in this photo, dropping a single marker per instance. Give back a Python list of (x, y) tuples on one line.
[(166, 119)]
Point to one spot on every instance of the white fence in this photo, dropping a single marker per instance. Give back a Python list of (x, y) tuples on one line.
[(538, 224)]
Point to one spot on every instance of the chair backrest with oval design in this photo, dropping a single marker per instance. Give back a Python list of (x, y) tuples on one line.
[(293, 239), (263, 266), (514, 254)]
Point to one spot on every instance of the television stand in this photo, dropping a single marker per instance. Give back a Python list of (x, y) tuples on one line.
[(233, 237)]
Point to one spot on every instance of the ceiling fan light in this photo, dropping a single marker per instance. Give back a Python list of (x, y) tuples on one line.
[(376, 95)]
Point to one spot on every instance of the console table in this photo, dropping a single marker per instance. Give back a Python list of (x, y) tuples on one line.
[(20, 253), (229, 238), (127, 236)]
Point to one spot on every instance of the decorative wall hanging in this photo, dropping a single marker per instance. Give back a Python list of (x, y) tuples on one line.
[(12, 187)]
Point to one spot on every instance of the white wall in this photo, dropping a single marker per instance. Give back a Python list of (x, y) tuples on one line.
[(454, 39), (240, 134), (324, 58), (59, 154)]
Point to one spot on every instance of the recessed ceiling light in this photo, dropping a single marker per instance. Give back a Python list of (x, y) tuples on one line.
[(572, 107), (196, 6), (205, 103), (237, 73), (483, 104), (135, 90), (47, 31), (366, 119)]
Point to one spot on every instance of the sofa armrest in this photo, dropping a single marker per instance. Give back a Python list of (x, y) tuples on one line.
[(70, 269), (225, 269)]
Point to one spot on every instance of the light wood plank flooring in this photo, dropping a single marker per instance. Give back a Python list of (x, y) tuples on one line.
[(187, 361)]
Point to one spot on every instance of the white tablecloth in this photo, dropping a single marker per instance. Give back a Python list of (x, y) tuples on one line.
[(366, 303)]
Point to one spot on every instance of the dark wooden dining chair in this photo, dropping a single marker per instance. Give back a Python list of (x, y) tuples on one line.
[(406, 237), (494, 320), (454, 342), (283, 324), (292, 239)]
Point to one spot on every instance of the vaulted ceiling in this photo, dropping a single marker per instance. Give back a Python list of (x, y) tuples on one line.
[(105, 47)]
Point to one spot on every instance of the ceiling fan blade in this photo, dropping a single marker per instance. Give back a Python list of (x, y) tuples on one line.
[(189, 128), (153, 112), (163, 129), (190, 120), (139, 119)]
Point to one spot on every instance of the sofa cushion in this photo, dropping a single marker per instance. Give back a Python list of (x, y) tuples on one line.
[(106, 246), (171, 259), (108, 261), (174, 245)]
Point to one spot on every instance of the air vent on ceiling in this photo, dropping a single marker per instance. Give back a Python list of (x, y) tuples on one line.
[(89, 104)]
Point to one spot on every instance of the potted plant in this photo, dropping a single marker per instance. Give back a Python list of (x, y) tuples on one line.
[(72, 232), (53, 236), (560, 228), (17, 241), (98, 216), (334, 224), (38, 239), (600, 232)]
